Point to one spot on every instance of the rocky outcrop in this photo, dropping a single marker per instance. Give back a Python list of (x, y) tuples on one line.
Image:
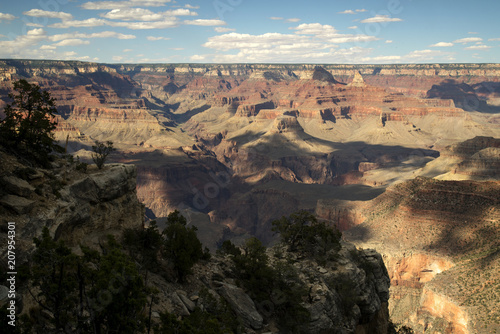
[(347, 294), (242, 304), (77, 207), (358, 81), (455, 221)]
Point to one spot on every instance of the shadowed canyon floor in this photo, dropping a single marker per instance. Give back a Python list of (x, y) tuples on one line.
[(403, 158)]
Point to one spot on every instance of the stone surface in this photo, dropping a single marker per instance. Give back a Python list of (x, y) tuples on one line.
[(20, 205), (16, 186), (242, 304)]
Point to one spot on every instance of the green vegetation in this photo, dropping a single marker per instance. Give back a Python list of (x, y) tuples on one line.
[(29, 121), (302, 232), (92, 293), (215, 318), (101, 152), (182, 245), (277, 289)]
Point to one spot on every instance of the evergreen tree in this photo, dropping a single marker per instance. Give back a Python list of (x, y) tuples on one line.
[(29, 121)]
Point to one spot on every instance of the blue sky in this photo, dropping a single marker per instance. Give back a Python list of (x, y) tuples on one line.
[(257, 31)]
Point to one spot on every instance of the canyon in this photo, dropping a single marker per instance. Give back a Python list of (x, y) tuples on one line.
[(401, 158)]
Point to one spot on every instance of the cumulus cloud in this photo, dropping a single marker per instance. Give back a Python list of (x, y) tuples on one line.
[(478, 47), (312, 42), (468, 40), (388, 41), (153, 38), (88, 23), (223, 29), (100, 5), (141, 14), (381, 19), (48, 47), (6, 17), (44, 13), (441, 44), (350, 11), (382, 59), (329, 33), (293, 20), (494, 40), (94, 22), (71, 42), (102, 34), (205, 22), (22, 43)]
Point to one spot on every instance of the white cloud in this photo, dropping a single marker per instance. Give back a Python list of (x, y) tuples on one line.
[(117, 58), (494, 40), (6, 17), (44, 13), (441, 45), (350, 11), (166, 23), (205, 22), (388, 41), (472, 33), (277, 18), (329, 33), (293, 20), (223, 29), (352, 27), (35, 25), (102, 34), (127, 50), (191, 6), (382, 59), (381, 19), (99, 5), (92, 22), (197, 57), (478, 47), (71, 42), (315, 29), (309, 43), (21, 44), (48, 47), (468, 40), (152, 38), (177, 49), (141, 14)]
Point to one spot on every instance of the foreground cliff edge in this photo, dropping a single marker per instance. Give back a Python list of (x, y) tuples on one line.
[(348, 293)]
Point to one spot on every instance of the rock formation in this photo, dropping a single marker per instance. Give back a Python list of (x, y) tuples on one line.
[(77, 207), (358, 81)]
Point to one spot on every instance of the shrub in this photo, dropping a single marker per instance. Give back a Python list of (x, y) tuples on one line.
[(302, 232), (101, 152), (181, 244)]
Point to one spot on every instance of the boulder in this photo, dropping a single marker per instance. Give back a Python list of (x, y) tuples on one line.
[(187, 302), (20, 205), (17, 186), (242, 304)]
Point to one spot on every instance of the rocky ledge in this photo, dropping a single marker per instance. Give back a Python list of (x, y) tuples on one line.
[(78, 205)]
